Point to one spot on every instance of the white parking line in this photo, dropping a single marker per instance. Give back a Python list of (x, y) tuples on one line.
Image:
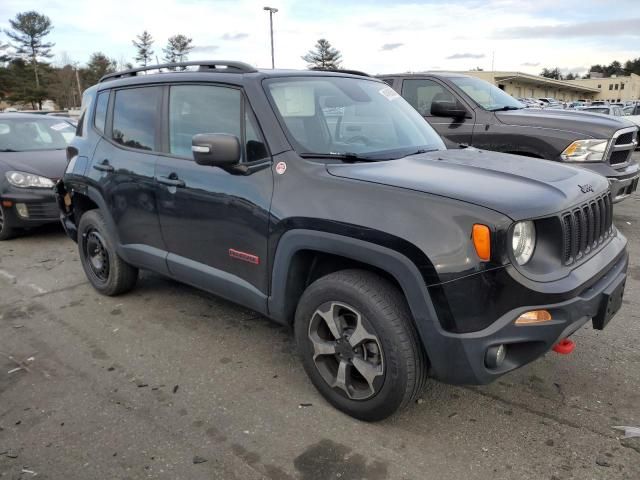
[(8, 276), (14, 280)]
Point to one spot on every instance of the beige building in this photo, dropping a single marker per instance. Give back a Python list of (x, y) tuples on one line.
[(614, 89), (518, 84)]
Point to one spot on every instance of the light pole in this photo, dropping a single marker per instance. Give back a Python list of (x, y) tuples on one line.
[(271, 11)]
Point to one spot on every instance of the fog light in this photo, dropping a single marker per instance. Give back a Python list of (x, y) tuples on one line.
[(21, 208), (533, 317), (495, 356)]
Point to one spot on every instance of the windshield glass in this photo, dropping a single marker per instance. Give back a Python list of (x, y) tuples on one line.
[(37, 133), (341, 115), (486, 95)]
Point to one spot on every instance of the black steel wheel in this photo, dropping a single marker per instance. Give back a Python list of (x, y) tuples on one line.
[(108, 273), (97, 254)]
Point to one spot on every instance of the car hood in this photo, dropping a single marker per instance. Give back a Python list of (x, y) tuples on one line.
[(590, 124), (46, 163), (519, 187)]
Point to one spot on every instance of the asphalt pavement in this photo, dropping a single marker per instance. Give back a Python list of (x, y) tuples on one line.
[(169, 382)]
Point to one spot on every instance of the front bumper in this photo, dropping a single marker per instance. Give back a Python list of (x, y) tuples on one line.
[(459, 358), (29, 207), (623, 179)]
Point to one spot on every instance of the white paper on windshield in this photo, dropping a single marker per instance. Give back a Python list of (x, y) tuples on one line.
[(389, 93), (59, 126), (294, 100)]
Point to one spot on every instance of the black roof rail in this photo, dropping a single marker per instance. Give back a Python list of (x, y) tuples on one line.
[(203, 66), (341, 70)]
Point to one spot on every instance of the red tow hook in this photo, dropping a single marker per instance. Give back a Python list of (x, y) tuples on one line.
[(564, 346)]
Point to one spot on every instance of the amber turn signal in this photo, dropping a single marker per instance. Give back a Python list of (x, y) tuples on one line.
[(534, 316), (482, 241)]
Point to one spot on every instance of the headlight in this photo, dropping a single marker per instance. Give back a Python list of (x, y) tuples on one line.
[(585, 151), (28, 180), (523, 241)]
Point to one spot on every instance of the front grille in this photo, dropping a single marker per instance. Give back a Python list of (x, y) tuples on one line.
[(625, 138), (622, 146), (43, 211), (620, 156), (585, 227)]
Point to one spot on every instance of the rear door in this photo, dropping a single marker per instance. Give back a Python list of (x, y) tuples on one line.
[(123, 165), (422, 93), (214, 221)]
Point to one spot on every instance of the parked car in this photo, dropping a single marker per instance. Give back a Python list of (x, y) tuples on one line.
[(577, 105), (469, 111), (324, 201), (32, 159), (613, 110), (632, 113), (550, 102)]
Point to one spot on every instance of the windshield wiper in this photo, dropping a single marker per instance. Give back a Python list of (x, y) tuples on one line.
[(346, 156), (505, 108), (7, 150)]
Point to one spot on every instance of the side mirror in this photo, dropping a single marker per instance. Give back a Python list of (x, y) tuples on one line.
[(448, 109), (216, 149)]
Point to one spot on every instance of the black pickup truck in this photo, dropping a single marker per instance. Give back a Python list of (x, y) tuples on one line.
[(325, 202), (466, 110)]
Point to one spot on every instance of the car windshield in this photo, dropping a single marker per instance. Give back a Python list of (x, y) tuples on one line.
[(486, 95), (350, 118), (597, 110), (37, 133)]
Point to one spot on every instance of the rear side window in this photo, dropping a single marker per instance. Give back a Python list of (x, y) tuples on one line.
[(135, 117), (202, 109), (87, 99), (101, 111)]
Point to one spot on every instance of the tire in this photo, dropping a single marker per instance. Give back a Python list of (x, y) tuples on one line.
[(372, 316), (106, 271), (6, 230)]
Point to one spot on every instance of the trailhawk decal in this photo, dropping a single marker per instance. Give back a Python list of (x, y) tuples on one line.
[(244, 256)]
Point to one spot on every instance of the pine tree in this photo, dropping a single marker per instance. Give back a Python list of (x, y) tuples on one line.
[(98, 66), (323, 56), (28, 32), (145, 52), (177, 49)]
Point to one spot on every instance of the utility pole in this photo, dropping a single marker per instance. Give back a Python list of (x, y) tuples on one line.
[(78, 82), (271, 11)]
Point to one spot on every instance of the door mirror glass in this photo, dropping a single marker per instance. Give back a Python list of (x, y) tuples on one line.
[(448, 109), (216, 149)]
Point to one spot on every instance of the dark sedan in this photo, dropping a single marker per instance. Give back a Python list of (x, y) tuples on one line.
[(32, 158)]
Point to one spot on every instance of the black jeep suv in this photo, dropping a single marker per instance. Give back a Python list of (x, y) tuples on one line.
[(468, 110), (324, 201)]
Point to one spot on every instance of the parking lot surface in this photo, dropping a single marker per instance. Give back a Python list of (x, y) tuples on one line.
[(168, 382)]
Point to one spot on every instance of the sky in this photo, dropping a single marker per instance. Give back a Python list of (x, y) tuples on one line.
[(373, 35)]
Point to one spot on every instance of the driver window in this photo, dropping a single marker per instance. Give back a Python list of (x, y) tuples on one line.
[(422, 93)]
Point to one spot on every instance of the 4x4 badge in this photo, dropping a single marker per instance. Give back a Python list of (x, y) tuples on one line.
[(586, 188)]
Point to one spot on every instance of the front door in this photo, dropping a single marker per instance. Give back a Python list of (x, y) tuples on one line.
[(214, 221), (421, 93)]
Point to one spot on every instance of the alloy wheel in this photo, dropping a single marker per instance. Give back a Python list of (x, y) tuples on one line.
[(347, 354)]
